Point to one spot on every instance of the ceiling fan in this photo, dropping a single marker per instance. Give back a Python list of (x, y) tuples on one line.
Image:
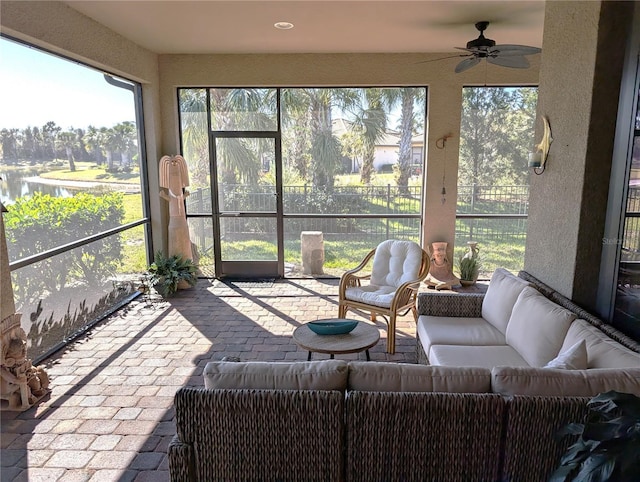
[(507, 55)]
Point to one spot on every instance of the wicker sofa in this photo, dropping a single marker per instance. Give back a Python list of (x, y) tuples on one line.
[(523, 331), (363, 421), (374, 421)]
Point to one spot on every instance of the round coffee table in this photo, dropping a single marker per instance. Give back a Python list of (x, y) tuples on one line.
[(361, 338)]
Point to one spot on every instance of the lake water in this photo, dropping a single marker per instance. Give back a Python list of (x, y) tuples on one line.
[(15, 184)]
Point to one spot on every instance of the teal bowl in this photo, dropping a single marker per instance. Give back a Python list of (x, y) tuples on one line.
[(332, 327)]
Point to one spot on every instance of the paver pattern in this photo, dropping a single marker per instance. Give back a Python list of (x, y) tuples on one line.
[(110, 414)]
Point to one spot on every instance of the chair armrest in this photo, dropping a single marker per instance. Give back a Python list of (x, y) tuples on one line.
[(405, 294), (450, 304), (181, 462), (350, 279)]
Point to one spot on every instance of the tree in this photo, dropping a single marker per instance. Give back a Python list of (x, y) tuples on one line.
[(8, 139), (370, 123), (49, 134), (93, 139), (124, 141), (496, 134), (195, 134), (408, 97), (68, 140)]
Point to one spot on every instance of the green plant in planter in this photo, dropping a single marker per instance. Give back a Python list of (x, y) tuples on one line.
[(469, 268), (608, 447), (168, 271)]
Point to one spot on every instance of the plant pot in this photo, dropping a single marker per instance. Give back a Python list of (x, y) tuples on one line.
[(466, 282)]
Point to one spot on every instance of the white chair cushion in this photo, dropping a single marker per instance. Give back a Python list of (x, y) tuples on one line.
[(502, 293), (396, 262), (372, 295), (405, 377), (475, 356), (575, 358), (537, 327), (315, 375), (602, 351), (454, 330)]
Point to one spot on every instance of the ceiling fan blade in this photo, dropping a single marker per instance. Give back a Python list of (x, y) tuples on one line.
[(465, 49), (511, 62), (516, 50), (442, 58), (467, 64)]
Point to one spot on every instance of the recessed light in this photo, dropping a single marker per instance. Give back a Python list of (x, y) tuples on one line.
[(283, 25)]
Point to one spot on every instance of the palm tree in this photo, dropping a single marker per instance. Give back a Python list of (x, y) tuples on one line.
[(370, 123), (68, 140), (408, 97), (125, 141), (195, 138), (110, 144), (324, 149), (94, 140), (49, 133)]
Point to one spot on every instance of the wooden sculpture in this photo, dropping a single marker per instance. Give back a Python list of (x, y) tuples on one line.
[(21, 384), (174, 178)]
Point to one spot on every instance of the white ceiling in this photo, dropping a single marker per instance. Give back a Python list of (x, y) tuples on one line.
[(330, 26)]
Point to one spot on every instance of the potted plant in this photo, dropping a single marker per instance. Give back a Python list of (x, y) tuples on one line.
[(168, 273), (469, 265), (608, 446)]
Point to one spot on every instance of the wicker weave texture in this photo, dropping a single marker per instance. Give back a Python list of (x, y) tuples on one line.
[(450, 304), (532, 450), (401, 436), (261, 434), (180, 461), (421, 356)]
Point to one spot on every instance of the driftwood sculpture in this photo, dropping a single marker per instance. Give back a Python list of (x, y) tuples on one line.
[(21, 384)]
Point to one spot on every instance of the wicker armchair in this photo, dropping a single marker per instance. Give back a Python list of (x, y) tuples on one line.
[(398, 269)]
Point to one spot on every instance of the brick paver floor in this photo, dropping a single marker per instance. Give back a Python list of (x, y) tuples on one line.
[(110, 415)]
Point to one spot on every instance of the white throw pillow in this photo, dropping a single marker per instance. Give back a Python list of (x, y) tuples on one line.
[(575, 358), (537, 327)]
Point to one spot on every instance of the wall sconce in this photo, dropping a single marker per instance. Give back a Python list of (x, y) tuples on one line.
[(538, 158)]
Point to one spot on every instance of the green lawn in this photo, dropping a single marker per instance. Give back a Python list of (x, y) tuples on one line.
[(339, 254), (89, 171)]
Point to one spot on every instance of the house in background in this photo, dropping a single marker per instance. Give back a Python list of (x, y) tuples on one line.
[(386, 150)]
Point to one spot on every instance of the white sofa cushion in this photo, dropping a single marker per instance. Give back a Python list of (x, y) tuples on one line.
[(454, 330), (475, 356), (537, 327), (564, 383), (314, 375), (574, 358), (403, 377), (602, 351), (502, 293)]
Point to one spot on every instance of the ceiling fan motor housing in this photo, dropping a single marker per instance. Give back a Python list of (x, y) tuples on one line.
[(481, 42)]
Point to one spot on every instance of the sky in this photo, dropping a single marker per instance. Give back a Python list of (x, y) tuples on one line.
[(36, 87)]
